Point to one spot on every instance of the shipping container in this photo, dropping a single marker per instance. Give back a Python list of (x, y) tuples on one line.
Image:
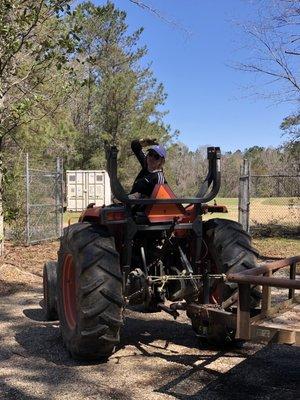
[(85, 187)]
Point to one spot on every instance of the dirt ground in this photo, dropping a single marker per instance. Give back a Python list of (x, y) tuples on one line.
[(158, 358)]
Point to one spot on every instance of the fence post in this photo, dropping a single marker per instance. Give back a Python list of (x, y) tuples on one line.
[(61, 196), (27, 232), (1, 210), (57, 198), (244, 195)]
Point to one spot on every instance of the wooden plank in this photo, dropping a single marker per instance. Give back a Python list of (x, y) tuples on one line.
[(281, 328), (266, 297), (243, 313), (281, 307), (292, 276), (266, 335)]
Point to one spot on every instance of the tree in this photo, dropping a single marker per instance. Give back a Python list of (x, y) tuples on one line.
[(230, 171), (120, 99), (31, 42), (275, 49), (274, 42), (291, 127), (185, 169)]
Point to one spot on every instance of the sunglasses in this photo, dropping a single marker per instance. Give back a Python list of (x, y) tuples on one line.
[(154, 155)]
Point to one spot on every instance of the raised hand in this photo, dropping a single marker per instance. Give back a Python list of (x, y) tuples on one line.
[(148, 142)]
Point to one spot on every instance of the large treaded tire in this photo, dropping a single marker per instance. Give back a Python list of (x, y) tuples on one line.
[(229, 246), (230, 250), (90, 299), (50, 290)]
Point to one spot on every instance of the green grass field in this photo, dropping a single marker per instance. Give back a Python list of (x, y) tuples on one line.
[(72, 216), (273, 210), (281, 201), (268, 201)]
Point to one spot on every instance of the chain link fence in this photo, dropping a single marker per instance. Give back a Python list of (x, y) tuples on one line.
[(44, 203), (36, 203), (269, 203)]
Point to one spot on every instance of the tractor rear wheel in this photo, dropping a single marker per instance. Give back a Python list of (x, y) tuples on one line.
[(90, 299), (50, 290), (230, 250)]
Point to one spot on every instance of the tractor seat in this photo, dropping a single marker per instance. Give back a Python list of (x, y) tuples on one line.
[(164, 212)]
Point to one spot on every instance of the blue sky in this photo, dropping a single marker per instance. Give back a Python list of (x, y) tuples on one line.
[(206, 99)]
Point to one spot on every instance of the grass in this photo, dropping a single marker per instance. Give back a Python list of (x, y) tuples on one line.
[(283, 211), (281, 201), (226, 201), (277, 247), (268, 201), (72, 216)]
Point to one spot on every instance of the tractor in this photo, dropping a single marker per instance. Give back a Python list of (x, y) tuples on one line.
[(154, 252)]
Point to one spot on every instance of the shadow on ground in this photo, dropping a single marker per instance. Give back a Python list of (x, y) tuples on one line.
[(272, 373), (157, 358)]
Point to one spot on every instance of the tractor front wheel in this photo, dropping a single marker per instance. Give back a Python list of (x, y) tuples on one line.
[(50, 290), (90, 300)]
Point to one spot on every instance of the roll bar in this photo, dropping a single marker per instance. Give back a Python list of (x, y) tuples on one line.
[(213, 180)]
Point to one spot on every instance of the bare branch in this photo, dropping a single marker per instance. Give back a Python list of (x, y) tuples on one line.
[(273, 46), (159, 15), (292, 53)]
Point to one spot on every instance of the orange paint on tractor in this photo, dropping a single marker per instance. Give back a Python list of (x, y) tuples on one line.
[(164, 212), (90, 213)]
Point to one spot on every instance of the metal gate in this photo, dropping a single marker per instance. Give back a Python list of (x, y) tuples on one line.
[(44, 203), (267, 201)]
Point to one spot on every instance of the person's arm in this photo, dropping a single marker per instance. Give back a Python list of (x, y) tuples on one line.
[(137, 148)]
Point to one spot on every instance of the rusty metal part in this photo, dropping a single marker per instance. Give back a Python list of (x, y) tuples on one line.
[(164, 278), (231, 300), (207, 208), (213, 314), (178, 305), (262, 280), (258, 328), (168, 310), (250, 276), (248, 328)]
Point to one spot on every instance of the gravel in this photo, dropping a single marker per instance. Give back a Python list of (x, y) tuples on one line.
[(158, 358)]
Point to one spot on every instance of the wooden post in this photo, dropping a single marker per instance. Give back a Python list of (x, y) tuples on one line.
[(266, 297), (1, 211), (27, 183), (62, 197), (292, 276), (243, 312), (244, 195)]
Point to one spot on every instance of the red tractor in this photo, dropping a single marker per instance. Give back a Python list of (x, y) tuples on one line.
[(156, 252)]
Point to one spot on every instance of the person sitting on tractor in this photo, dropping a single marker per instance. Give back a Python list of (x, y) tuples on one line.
[(151, 172)]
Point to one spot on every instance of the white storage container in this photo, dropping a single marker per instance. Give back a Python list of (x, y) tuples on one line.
[(86, 187)]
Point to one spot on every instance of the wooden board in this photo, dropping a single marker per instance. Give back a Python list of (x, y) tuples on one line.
[(283, 327)]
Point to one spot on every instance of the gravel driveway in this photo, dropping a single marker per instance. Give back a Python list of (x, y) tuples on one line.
[(158, 358)]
